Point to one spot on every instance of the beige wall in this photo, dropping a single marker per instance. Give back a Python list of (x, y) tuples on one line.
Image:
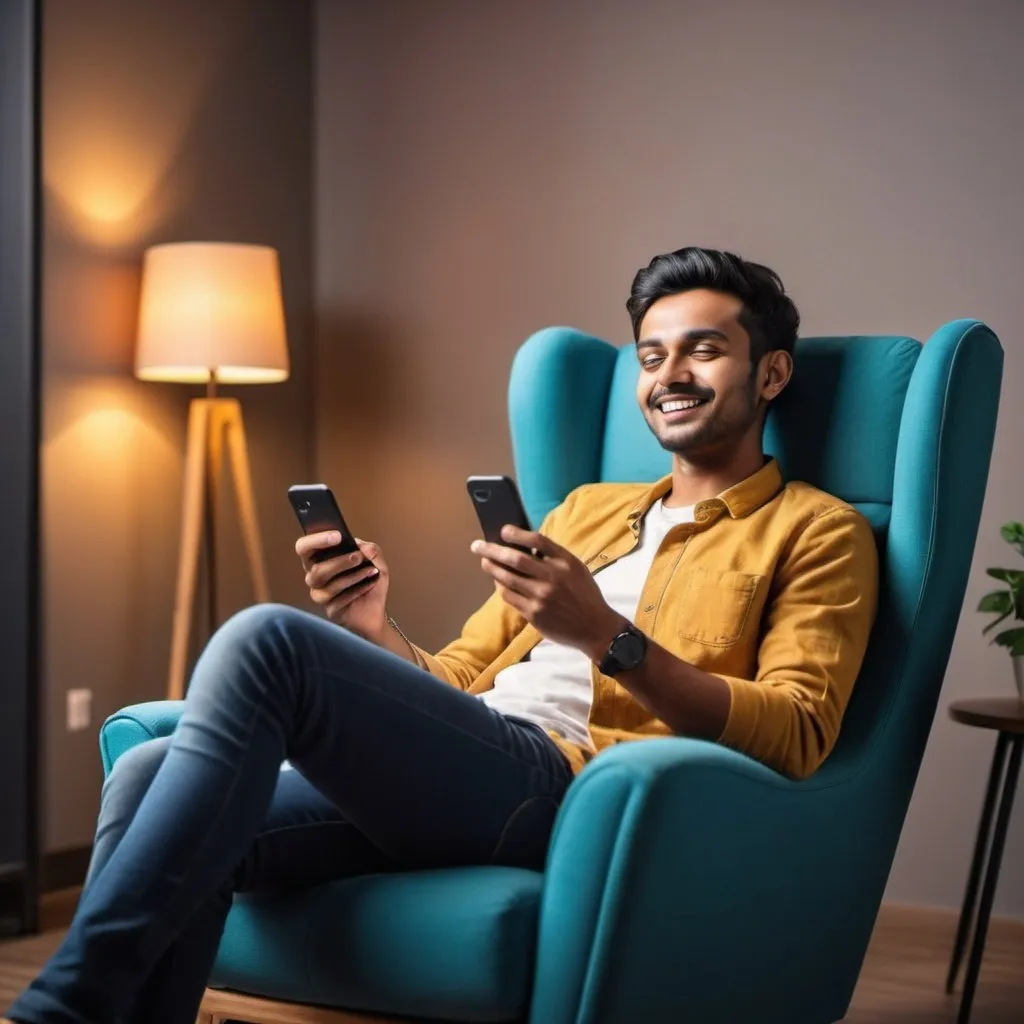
[(163, 121), (486, 169)]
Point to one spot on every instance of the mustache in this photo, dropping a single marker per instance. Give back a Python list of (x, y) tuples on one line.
[(704, 394)]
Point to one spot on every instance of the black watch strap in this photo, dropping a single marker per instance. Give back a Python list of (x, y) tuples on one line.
[(626, 651)]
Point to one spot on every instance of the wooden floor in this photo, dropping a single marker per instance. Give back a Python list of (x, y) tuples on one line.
[(904, 973), (902, 981)]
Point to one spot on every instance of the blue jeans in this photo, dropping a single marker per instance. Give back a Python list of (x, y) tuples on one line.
[(394, 770)]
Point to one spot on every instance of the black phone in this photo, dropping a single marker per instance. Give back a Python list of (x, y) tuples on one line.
[(317, 511), (497, 503)]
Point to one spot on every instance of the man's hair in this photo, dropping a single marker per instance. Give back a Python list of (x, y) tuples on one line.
[(768, 316)]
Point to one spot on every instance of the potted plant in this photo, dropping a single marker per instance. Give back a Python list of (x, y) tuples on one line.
[(1007, 602)]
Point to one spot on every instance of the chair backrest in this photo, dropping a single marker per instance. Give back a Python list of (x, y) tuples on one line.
[(902, 431)]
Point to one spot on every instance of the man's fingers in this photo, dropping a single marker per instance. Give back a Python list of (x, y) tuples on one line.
[(509, 579), (320, 574), (531, 539), (342, 582), (368, 548), (343, 585), (513, 600), (311, 543), (348, 596), (519, 561)]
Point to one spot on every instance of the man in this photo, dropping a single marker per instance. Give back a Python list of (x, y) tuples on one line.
[(719, 603)]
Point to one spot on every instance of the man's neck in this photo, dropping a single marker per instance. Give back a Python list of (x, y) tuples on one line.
[(694, 480)]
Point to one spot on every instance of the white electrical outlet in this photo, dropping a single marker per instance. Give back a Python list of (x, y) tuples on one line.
[(79, 710)]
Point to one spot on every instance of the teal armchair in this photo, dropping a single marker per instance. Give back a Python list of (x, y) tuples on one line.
[(685, 882)]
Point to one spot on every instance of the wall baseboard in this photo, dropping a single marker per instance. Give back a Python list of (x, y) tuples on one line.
[(12, 902), (65, 869), (57, 909), (62, 873)]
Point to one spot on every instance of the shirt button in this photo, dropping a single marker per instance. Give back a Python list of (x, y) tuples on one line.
[(649, 608), (604, 558)]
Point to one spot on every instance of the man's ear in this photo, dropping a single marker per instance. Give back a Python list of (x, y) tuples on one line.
[(776, 372)]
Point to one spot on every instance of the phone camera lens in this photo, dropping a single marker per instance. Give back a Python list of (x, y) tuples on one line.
[(304, 507)]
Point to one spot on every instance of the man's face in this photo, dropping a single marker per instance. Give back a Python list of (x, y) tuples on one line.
[(697, 388)]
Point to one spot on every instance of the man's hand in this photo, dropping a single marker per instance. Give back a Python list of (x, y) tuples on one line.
[(355, 600), (556, 593)]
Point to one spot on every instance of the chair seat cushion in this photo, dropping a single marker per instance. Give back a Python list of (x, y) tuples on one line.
[(454, 944)]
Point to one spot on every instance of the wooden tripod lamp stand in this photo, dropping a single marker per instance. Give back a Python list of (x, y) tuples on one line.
[(211, 313)]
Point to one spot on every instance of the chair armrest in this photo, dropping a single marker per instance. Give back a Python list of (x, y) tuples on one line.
[(135, 724), (673, 860)]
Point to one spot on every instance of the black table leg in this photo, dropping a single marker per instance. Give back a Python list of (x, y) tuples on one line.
[(988, 890), (963, 927)]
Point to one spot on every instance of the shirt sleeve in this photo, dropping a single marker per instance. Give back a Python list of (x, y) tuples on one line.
[(491, 628), (816, 629)]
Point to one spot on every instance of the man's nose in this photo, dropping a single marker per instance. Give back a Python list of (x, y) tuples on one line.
[(674, 372)]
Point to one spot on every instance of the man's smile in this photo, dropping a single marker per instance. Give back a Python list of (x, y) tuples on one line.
[(679, 408)]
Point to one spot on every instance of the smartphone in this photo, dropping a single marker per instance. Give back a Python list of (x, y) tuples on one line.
[(317, 511), (497, 503)]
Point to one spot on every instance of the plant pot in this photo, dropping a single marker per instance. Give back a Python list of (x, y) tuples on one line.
[(1018, 674)]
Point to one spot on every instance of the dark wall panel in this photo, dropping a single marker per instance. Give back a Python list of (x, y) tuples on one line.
[(19, 402)]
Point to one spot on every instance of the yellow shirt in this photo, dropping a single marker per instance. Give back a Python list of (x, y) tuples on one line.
[(773, 588)]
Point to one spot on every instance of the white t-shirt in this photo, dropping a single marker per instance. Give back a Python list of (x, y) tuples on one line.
[(554, 686)]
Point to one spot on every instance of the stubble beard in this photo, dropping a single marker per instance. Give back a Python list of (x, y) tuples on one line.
[(710, 432)]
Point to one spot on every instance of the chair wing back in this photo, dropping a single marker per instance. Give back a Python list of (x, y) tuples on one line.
[(902, 431)]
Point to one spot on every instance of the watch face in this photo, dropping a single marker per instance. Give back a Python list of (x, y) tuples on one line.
[(629, 650)]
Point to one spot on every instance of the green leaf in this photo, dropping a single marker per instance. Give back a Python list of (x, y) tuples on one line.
[(1013, 533), (1009, 637), (998, 601), (995, 622), (1015, 577), (1002, 603)]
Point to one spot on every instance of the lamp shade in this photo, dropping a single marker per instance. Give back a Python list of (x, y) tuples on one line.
[(211, 309)]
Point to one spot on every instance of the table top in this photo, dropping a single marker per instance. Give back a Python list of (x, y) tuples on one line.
[(1003, 713)]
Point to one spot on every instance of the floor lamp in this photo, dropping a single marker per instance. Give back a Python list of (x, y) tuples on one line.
[(211, 313)]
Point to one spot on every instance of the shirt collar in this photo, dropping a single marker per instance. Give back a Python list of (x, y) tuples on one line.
[(739, 500)]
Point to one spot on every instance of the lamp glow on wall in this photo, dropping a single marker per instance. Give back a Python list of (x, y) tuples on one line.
[(211, 313)]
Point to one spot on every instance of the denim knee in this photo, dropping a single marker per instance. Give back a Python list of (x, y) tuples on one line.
[(258, 622), (132, 774), (258, 655), (123, 790)]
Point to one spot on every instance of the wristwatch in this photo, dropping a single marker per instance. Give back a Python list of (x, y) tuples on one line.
[(626, 651)]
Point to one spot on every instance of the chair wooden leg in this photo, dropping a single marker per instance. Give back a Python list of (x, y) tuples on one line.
[(221, 1004)]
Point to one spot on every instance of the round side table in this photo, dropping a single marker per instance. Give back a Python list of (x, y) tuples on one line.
[(1005, 715)]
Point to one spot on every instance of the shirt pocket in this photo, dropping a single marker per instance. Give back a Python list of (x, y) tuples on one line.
[(715, 606)]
